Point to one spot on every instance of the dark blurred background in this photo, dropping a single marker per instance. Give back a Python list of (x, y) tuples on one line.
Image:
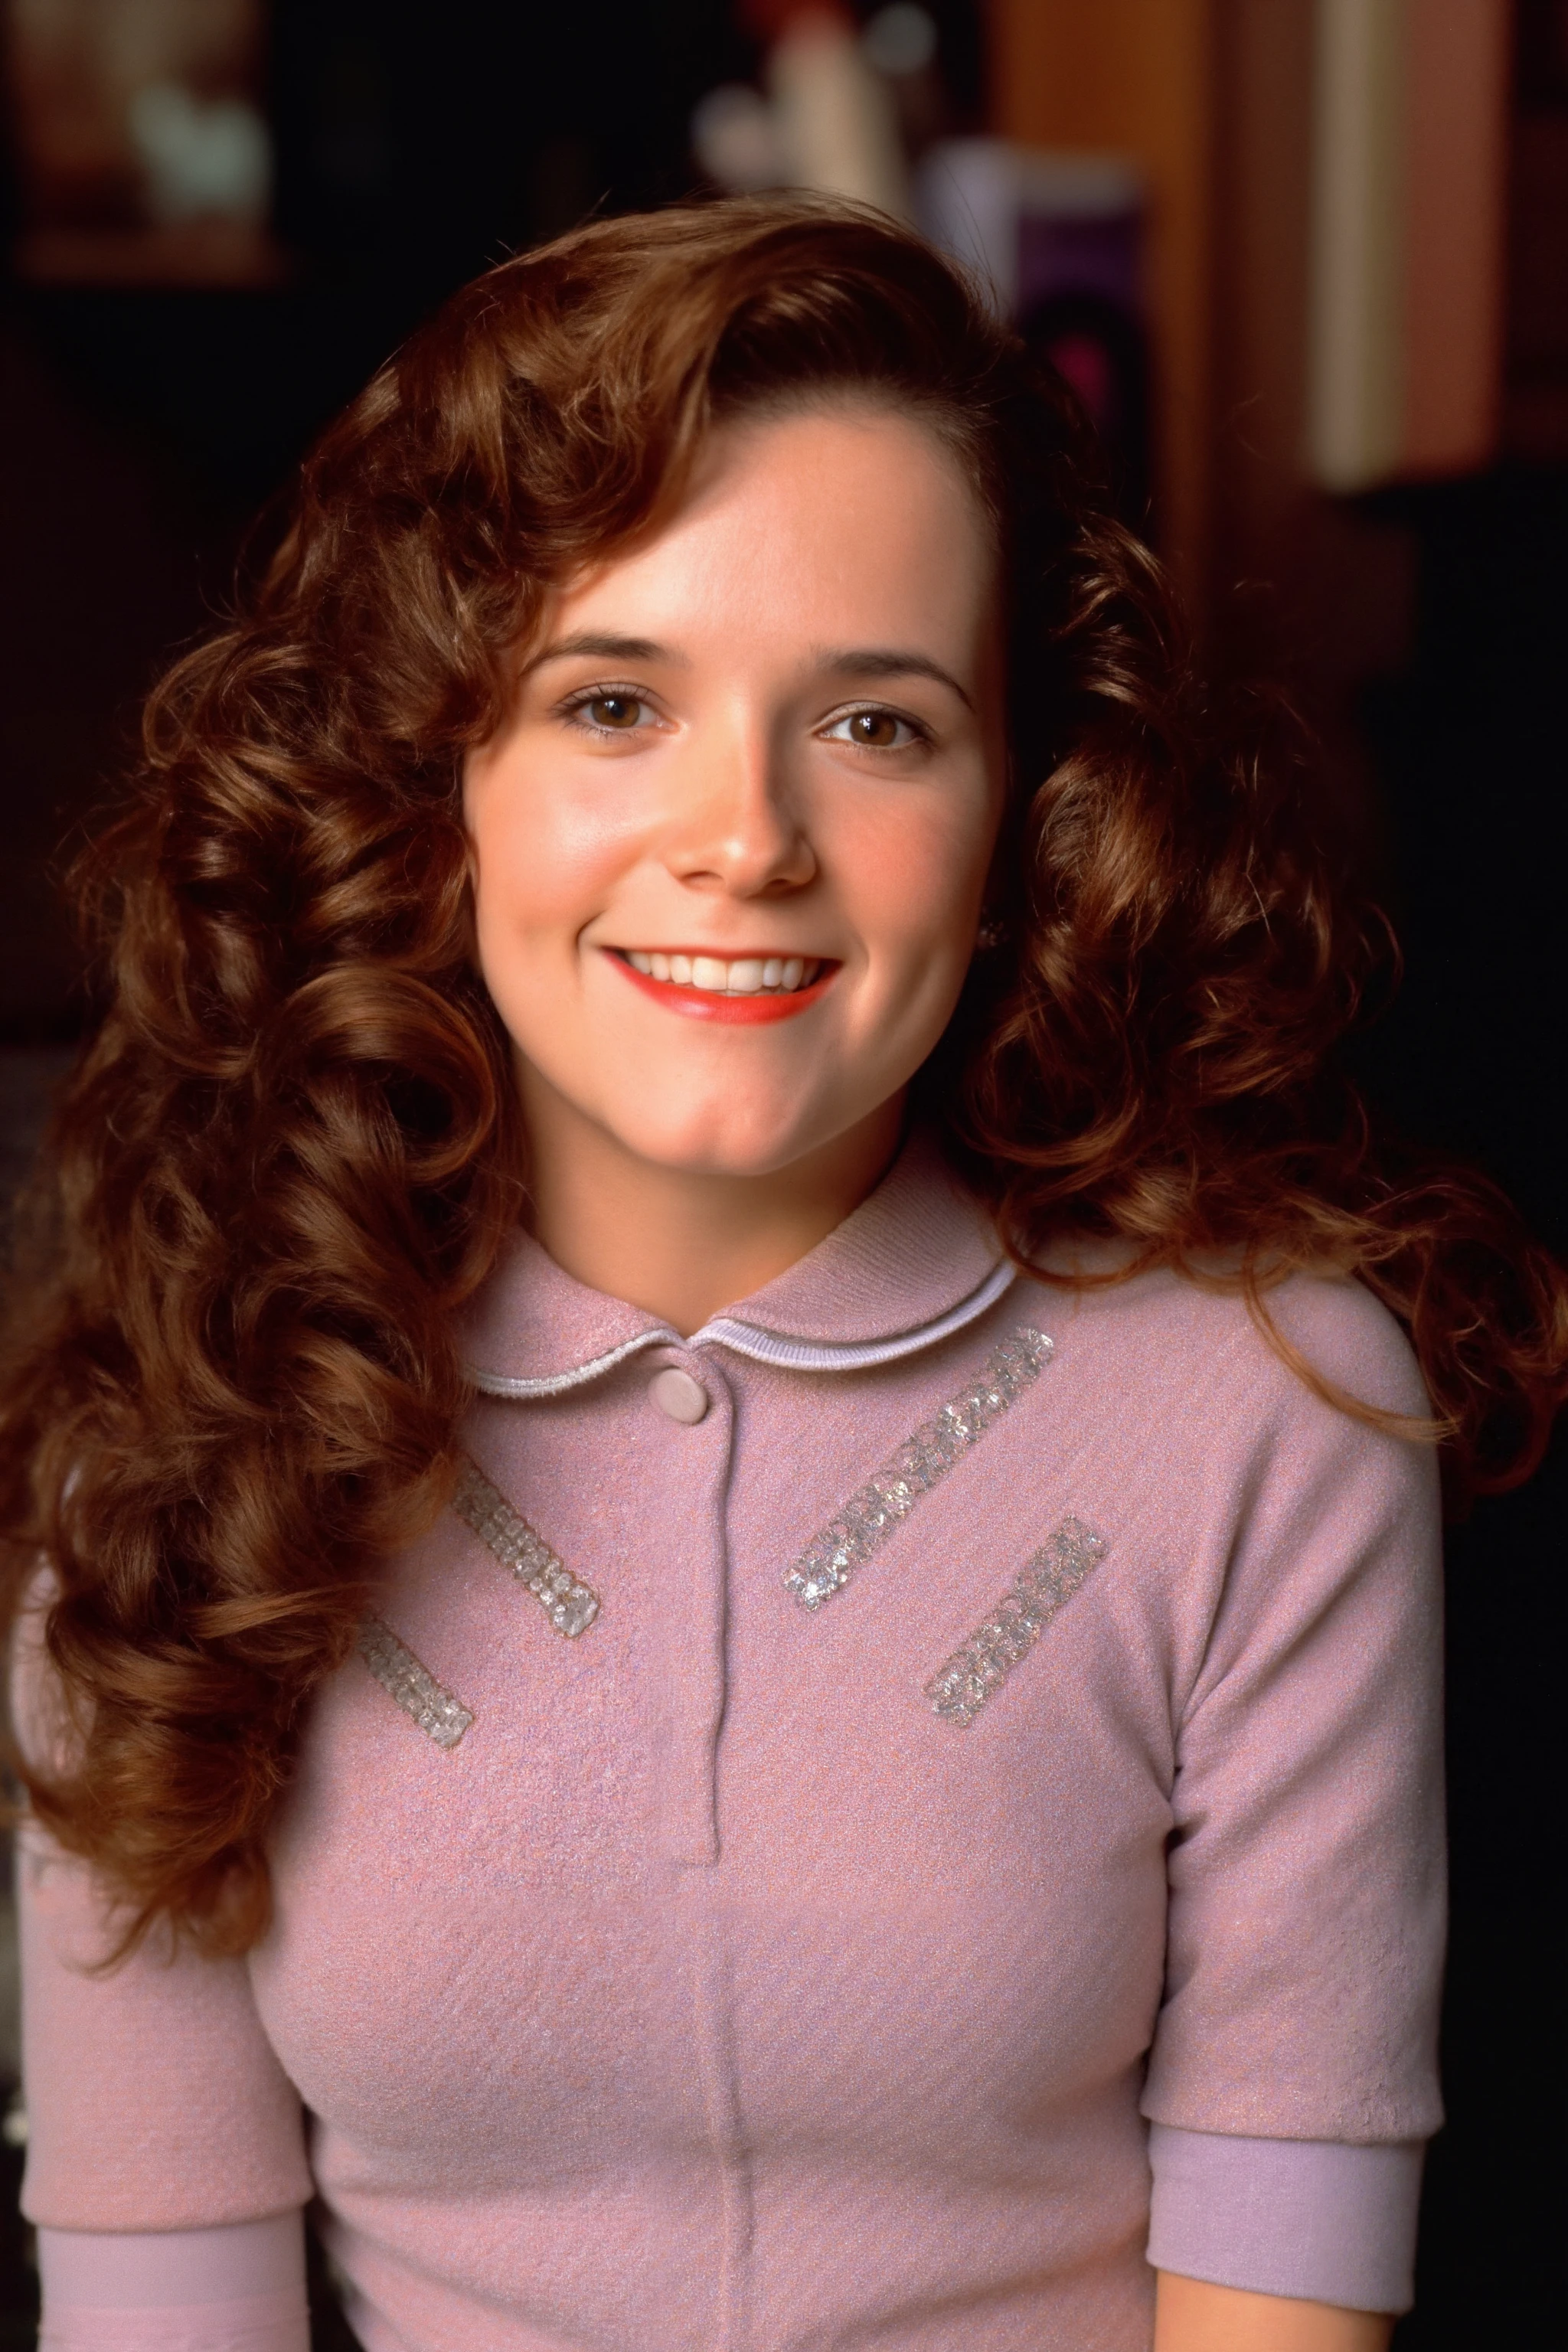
[(1306, 260)]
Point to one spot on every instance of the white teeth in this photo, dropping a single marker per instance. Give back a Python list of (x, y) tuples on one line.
[(740, 976)]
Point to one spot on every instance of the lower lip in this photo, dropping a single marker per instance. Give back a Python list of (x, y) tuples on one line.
[(710, 1004)]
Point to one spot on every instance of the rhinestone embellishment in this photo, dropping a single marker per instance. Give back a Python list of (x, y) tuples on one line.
[(570, 1606), (958, 1690), (439, 1716), (869, 1517)]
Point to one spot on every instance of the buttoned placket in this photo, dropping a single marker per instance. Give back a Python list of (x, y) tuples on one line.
[(692, 1394), (691, 1397)]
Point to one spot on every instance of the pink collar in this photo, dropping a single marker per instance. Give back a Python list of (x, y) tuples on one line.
[(916, 1261)]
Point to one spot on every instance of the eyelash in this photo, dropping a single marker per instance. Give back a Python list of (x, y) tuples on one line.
[(919, 734), (574, 705)]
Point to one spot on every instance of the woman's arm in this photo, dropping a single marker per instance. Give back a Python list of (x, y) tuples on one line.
[(1190, 2315), (155, 2101), (1293, 2076)]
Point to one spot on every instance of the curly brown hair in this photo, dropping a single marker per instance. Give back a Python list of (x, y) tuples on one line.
[(292, 1150)]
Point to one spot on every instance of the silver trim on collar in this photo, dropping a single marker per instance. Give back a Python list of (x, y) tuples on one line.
[(548, 1384), (762, 1347)]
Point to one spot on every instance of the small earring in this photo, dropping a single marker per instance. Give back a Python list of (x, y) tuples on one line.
[(989, 935)]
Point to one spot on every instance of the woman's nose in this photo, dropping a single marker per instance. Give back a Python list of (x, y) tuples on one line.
[(738, 825)]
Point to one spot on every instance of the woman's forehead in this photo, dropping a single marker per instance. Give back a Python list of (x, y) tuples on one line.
[(807, 517)]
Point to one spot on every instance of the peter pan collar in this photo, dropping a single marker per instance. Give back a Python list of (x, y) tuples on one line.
[(916, 1261)]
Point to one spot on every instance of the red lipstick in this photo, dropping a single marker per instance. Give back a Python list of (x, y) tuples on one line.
[(715, 1005)]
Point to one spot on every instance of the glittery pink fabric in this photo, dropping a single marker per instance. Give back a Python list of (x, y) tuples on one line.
[(713, 1991)]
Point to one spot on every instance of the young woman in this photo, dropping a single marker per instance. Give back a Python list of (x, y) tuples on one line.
[(738, 1625)]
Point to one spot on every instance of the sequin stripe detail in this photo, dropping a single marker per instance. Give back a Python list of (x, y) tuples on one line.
[(960, 1689), (570, 1605), (869, 1517), (439, 1716)]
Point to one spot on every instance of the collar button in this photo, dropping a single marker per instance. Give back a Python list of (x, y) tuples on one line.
[(678, 1396)]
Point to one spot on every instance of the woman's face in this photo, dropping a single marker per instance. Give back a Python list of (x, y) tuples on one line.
[(730, 845)]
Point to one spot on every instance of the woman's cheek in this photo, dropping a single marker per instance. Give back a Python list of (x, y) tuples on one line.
[(555, 861), (917, 889)]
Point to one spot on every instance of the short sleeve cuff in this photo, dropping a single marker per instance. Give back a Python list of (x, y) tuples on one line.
[(1319, 2219), (239, 2287)]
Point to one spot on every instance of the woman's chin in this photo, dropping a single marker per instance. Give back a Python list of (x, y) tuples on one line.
[(724, 1140), (724, 1154)]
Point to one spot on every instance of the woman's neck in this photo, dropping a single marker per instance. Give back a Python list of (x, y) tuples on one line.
[(683, 1244)]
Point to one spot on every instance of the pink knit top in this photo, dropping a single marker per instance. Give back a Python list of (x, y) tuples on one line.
[(841, 1804)]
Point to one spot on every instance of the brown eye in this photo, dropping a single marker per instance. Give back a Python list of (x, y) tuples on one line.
[(619, 712), (875, 730)]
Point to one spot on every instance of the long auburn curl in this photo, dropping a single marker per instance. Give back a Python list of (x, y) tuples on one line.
[(292, 1151)]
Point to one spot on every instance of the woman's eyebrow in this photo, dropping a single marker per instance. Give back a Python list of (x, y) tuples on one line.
[(607, 648), (881, 661)]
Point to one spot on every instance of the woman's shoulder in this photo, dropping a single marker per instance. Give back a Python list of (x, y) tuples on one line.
[(1195, 1333), (1219, 1445)]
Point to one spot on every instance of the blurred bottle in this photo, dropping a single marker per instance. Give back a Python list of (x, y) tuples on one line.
[(830, 120), (838, 127)]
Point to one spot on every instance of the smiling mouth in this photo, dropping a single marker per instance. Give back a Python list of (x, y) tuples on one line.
[(727, 975), (730, 989)]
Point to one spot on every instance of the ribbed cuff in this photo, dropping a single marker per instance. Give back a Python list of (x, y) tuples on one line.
[(237, 2287), (255, 2323), (1319, 2220)]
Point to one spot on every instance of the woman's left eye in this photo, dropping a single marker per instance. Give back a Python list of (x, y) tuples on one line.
[(610, 712), (874, 730)]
